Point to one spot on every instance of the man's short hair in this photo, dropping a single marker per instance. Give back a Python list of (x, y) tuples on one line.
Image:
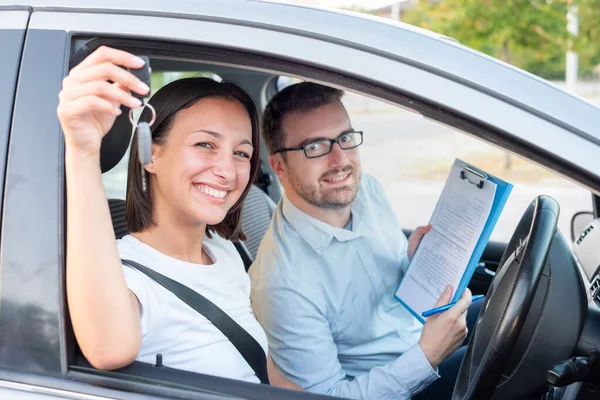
[(305, 96)]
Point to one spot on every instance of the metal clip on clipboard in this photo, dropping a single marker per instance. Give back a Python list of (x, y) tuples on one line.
[(463, 175)]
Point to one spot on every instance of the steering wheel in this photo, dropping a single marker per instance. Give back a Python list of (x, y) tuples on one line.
[(507, 302)]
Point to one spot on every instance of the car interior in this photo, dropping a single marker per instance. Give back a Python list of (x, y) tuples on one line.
[(266, 191), (257, 211), (260, 80)]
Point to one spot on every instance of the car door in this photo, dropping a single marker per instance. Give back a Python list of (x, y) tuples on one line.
[(263, 36), (38, 352), (29, 329), (13, 24), (33, 324)]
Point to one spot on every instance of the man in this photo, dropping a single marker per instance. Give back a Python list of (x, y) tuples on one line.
[(325, 275)]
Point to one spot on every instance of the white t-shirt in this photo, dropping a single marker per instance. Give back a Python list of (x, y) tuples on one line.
[(185, 338)]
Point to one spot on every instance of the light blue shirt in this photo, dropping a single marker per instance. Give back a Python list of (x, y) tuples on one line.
[(325, 297)]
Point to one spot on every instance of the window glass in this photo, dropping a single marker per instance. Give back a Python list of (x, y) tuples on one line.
[(412, 155)]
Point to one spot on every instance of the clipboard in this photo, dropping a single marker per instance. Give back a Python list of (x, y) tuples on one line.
[(503, 190), (477, 177)]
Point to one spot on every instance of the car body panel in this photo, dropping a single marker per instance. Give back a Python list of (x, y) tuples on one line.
[(12, 390), (32, 386), (13, 19), (31, 318)]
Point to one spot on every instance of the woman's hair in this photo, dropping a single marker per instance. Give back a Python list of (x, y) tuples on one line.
[(167, 102)]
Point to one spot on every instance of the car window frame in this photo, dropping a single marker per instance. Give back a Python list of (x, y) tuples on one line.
[(57, 342), (220, 52), (522, 134), (216, 55)]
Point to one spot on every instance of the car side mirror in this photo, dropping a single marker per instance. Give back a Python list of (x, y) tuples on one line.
[(580, 220)]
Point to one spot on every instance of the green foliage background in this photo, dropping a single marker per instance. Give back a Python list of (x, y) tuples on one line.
[(531, 34)]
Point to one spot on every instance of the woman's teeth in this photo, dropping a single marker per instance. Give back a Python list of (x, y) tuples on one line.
[(219, 194)]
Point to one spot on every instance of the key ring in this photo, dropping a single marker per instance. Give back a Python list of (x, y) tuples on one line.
[(151, 119)]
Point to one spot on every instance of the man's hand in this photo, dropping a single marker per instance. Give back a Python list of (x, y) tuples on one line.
[(443, 333), (415, 239)]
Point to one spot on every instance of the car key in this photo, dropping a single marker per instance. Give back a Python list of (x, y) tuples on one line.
[(144, 134), (143, 74), (144, 141)]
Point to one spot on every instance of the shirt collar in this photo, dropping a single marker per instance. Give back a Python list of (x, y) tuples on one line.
[(319, 234)]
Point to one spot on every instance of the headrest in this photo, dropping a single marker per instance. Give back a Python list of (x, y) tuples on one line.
[(116, 142)]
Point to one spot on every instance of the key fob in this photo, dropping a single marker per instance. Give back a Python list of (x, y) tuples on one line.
[(144, 135), (142, 74), (144, 141)]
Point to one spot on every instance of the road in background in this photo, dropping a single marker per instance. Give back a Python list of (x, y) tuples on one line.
[(411, 157)]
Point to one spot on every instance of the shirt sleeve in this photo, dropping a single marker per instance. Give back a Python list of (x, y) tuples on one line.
[(137, 283), (404, 262), (303, 349), (384, 204)]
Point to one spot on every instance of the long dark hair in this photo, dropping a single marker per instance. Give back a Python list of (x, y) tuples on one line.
[(167, 102)]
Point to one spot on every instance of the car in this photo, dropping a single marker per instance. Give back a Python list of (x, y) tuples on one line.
[(541, 308)]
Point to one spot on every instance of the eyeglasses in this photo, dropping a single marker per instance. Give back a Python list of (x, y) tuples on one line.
[(322, 147)]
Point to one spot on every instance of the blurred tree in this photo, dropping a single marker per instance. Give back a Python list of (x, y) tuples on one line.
[(531, 34), (497, 27), (587, 43)]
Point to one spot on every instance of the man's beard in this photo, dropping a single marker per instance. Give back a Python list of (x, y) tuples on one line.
[(331, 198)]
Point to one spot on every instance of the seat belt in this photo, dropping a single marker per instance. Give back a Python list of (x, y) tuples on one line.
[(248, 347)]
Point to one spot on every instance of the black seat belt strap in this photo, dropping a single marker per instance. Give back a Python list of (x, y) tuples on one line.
[(248, 347)]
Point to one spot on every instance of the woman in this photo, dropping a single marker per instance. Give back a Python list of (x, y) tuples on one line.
[(204, 158)]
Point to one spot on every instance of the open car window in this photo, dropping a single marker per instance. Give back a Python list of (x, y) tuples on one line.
[(411, 156), (408, 153)]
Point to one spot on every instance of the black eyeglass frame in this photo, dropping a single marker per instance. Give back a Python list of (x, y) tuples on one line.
[(331, 141)]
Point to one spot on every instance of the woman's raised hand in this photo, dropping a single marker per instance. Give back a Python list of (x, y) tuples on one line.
[(89, 102)]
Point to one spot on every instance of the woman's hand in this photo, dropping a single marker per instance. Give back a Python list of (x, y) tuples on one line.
[(89, 103)]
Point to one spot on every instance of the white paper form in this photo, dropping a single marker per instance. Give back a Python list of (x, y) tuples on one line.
[(444, 253)]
